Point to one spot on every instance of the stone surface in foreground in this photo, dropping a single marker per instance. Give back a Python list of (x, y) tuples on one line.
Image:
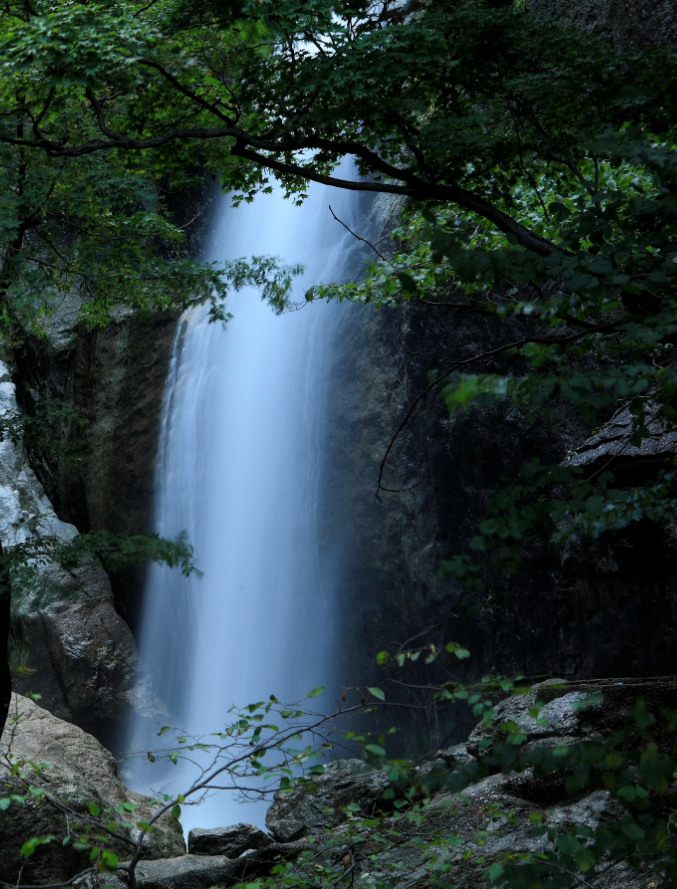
[(187, 872)]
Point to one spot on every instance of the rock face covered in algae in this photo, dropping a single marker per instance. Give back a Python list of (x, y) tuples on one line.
[(78, 770)]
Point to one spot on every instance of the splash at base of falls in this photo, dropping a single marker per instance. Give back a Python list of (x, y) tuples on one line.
[(240, 472)]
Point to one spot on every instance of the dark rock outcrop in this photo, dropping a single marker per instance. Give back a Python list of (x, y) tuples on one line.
[(611, 449), (299, 813), (228, 841), (579, 710)]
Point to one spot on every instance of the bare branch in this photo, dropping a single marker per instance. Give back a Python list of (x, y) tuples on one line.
[(364, 240)]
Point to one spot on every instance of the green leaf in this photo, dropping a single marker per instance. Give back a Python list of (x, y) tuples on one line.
[(407, 282), (585, 859), (109, 860), (377, 693), (495, 872), (315, 692), (164, 730), (568, 844), (94, 810), (633, 831), (557, 208), (29, 847), (376, 749)]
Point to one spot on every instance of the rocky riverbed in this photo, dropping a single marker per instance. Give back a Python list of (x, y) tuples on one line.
[(346, 814)]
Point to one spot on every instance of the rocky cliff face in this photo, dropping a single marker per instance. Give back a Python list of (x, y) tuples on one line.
[(590, 610), (101, 395), (71, 647)]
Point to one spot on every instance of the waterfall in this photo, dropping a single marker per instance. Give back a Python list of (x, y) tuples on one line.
[(240, 470)]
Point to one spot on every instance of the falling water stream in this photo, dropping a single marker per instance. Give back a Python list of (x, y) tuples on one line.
[(240, 471)]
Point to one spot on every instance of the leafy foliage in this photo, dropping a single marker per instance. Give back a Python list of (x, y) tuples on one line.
[(429, 820)]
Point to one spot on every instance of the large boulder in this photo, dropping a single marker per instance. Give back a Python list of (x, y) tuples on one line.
[(201, 871), (78, 653), (229, 841), (187, 872), (78, 770), (195, 871)]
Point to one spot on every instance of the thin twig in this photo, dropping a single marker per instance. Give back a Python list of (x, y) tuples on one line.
[(364, 240)]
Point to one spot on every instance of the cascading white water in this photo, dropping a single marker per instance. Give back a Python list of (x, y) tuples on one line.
[(239, 470)]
